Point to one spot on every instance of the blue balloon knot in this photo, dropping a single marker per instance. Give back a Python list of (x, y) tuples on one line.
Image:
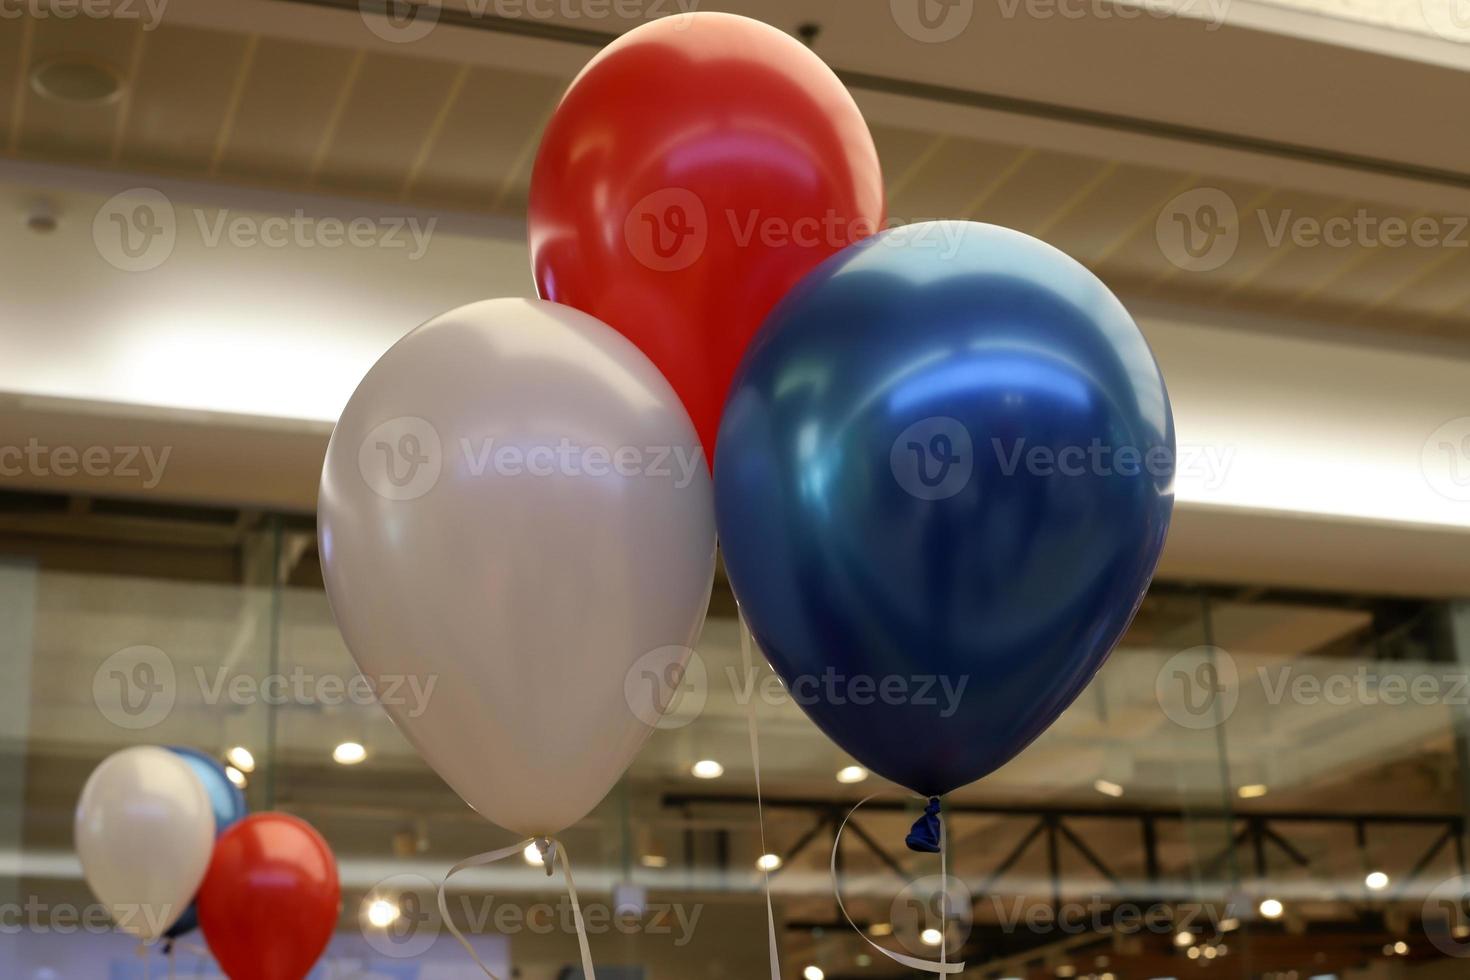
[(925, 836)]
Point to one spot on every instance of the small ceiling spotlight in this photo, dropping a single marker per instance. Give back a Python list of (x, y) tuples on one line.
[(769, 862), (240, 757), (1253, 791), (349, 753), (1108, 788), (851, 775), (237, 777), (382, 913), (707, 769), (1271, 909), (1376, 881)]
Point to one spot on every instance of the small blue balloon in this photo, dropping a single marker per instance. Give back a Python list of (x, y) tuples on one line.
[(228, 804), (943, 480)]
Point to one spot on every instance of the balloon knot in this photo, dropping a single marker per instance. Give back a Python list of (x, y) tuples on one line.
[(547, 847), (925, 836)]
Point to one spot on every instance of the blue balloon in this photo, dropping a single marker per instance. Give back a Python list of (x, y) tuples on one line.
[(943, 480), (228, 804)]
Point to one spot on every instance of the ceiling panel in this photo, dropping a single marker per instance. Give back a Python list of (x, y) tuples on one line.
[(390, 113), (392, 122), (286, 109), (183, 99), (486, 147)]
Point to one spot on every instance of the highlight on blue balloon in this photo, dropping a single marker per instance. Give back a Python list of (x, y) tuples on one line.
[(944, 478)]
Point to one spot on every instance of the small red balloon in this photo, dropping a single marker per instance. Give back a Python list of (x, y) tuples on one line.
[(271, 898), (696, 169)]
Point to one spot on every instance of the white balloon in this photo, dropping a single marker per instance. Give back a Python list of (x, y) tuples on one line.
[(144, 834), (515, 516)]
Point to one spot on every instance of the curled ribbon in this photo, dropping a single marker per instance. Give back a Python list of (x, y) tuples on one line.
[(940, 966), (551, 850)]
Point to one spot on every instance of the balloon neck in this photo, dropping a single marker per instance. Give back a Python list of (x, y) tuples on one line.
[(926, 837), (547, 848)]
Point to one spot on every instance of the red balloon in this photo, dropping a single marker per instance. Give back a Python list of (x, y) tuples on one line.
[(270, 899), (697, 168)]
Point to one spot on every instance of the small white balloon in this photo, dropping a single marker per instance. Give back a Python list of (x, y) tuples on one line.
[(514, 512), (144, 834)]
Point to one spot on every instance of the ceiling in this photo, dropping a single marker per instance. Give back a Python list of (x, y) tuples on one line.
[(453, 122)]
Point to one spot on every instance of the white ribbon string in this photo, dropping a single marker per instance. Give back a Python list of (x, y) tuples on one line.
[(755, 758), (556, 849), (912, 962)]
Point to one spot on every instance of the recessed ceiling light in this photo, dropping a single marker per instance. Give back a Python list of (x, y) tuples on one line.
[(769, 862), (931, 937), (707, 769), (349, 753), (1184, 938), (77, 79), (1401, 947), (1376, 880), (813, 973), (851, 775), (533, 857), (1252, 792), (236, 776), (1108, 788), (880, 929), (382, 913), (1272, 909), (654, 861), (241, 759)]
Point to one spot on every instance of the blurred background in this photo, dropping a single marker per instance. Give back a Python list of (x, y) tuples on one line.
[(216, 214)]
